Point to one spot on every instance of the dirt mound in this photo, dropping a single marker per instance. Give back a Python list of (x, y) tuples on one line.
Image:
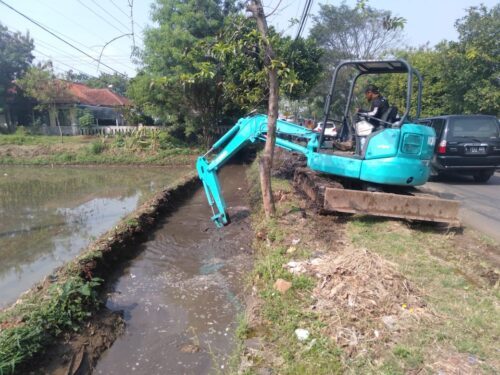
[(78, 353), (361, 297), (285, 164)]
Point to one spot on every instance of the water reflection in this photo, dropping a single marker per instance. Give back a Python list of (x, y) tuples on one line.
[(47, 215)]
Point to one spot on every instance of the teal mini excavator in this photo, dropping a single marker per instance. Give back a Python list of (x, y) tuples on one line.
[(397, 154)]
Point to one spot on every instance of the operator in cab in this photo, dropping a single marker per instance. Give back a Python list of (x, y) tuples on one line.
[(379, 105), (369, 122)]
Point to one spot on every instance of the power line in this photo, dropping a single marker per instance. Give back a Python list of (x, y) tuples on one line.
[(102, 18), (303, 19), (62, 63), (60, 57), (79, 59), (126, 15), (120, 9), (73, 22), (109, 14), (58, 37), (50, 57), (79, 43)]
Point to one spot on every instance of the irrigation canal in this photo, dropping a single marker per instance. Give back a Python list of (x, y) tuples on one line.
[(181, 294)]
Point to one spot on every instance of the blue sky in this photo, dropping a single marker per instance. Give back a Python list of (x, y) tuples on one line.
[(89, 24)]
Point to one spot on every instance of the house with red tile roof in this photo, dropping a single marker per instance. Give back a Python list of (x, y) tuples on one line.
[(106, 106)]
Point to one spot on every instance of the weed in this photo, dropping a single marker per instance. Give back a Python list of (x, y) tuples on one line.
[(97, 147), (132, 222), (66, 306)]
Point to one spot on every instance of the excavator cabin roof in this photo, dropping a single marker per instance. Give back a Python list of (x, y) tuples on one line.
[(377, 66)]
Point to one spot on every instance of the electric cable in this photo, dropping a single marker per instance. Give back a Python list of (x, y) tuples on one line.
[(102, 18), (303, 18), (58, 37)]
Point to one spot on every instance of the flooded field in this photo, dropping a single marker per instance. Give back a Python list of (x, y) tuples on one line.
[(47, 215), (181, 295)]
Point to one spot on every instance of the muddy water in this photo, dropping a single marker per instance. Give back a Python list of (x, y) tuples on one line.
[(180, 296), (47, 215)]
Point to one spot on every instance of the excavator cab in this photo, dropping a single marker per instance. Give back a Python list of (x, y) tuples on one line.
[(350, 72)]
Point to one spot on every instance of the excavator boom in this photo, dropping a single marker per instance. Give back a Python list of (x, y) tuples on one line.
[(247, 130)]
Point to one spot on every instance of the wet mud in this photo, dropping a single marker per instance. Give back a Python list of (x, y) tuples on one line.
[(181, 295)]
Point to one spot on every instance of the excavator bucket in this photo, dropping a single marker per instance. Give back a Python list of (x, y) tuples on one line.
[(330, 197)]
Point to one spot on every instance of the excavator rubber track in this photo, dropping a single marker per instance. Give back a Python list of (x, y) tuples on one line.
[(330, 196)]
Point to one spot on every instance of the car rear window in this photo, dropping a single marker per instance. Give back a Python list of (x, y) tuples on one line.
[(473, 127)]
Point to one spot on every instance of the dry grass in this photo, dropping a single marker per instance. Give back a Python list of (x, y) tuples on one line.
[(464, 305)]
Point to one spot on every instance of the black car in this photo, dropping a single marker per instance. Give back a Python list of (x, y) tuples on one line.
[(466, 144)]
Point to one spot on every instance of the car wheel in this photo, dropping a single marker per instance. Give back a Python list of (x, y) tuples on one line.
[(483, 176), (434, 175)]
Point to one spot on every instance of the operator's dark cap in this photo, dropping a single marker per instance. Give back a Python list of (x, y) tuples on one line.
[(372, 88)]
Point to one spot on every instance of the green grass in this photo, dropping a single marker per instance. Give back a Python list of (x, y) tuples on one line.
[(21, 138), (167, 157), (287, 312), (141, 147), (466, 309), (284, 313), (36, 322)]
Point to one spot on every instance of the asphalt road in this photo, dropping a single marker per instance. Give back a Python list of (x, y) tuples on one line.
[(480, 203)]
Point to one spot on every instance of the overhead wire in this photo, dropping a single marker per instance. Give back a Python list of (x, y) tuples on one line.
[(109, 14), (63, 63), (63, 57), (73, 21), (13, 31), (303, 18), (109, 57), (127, 15), (58, 37), (101, 17)]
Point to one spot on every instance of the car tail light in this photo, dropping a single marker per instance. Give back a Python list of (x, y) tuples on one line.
[(442, 147)]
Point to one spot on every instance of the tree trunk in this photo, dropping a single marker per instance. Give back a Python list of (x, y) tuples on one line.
[(266, 160), (56, 112)]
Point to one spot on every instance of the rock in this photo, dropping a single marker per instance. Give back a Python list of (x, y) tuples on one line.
[(390, 322), (261, 235), (295, 241), (282, 285), (189, 348), (302, 334), (316, 261)]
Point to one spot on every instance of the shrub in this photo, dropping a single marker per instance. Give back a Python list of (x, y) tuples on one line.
[(97, 147)]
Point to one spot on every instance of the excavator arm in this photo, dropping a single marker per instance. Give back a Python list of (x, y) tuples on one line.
[(247, 130)]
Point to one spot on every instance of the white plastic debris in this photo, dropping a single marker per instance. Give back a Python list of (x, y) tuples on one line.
[(302, 334), (296, 268)]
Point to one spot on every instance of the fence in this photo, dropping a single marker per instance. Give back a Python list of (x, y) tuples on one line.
[(94, 130), (109, 130)]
